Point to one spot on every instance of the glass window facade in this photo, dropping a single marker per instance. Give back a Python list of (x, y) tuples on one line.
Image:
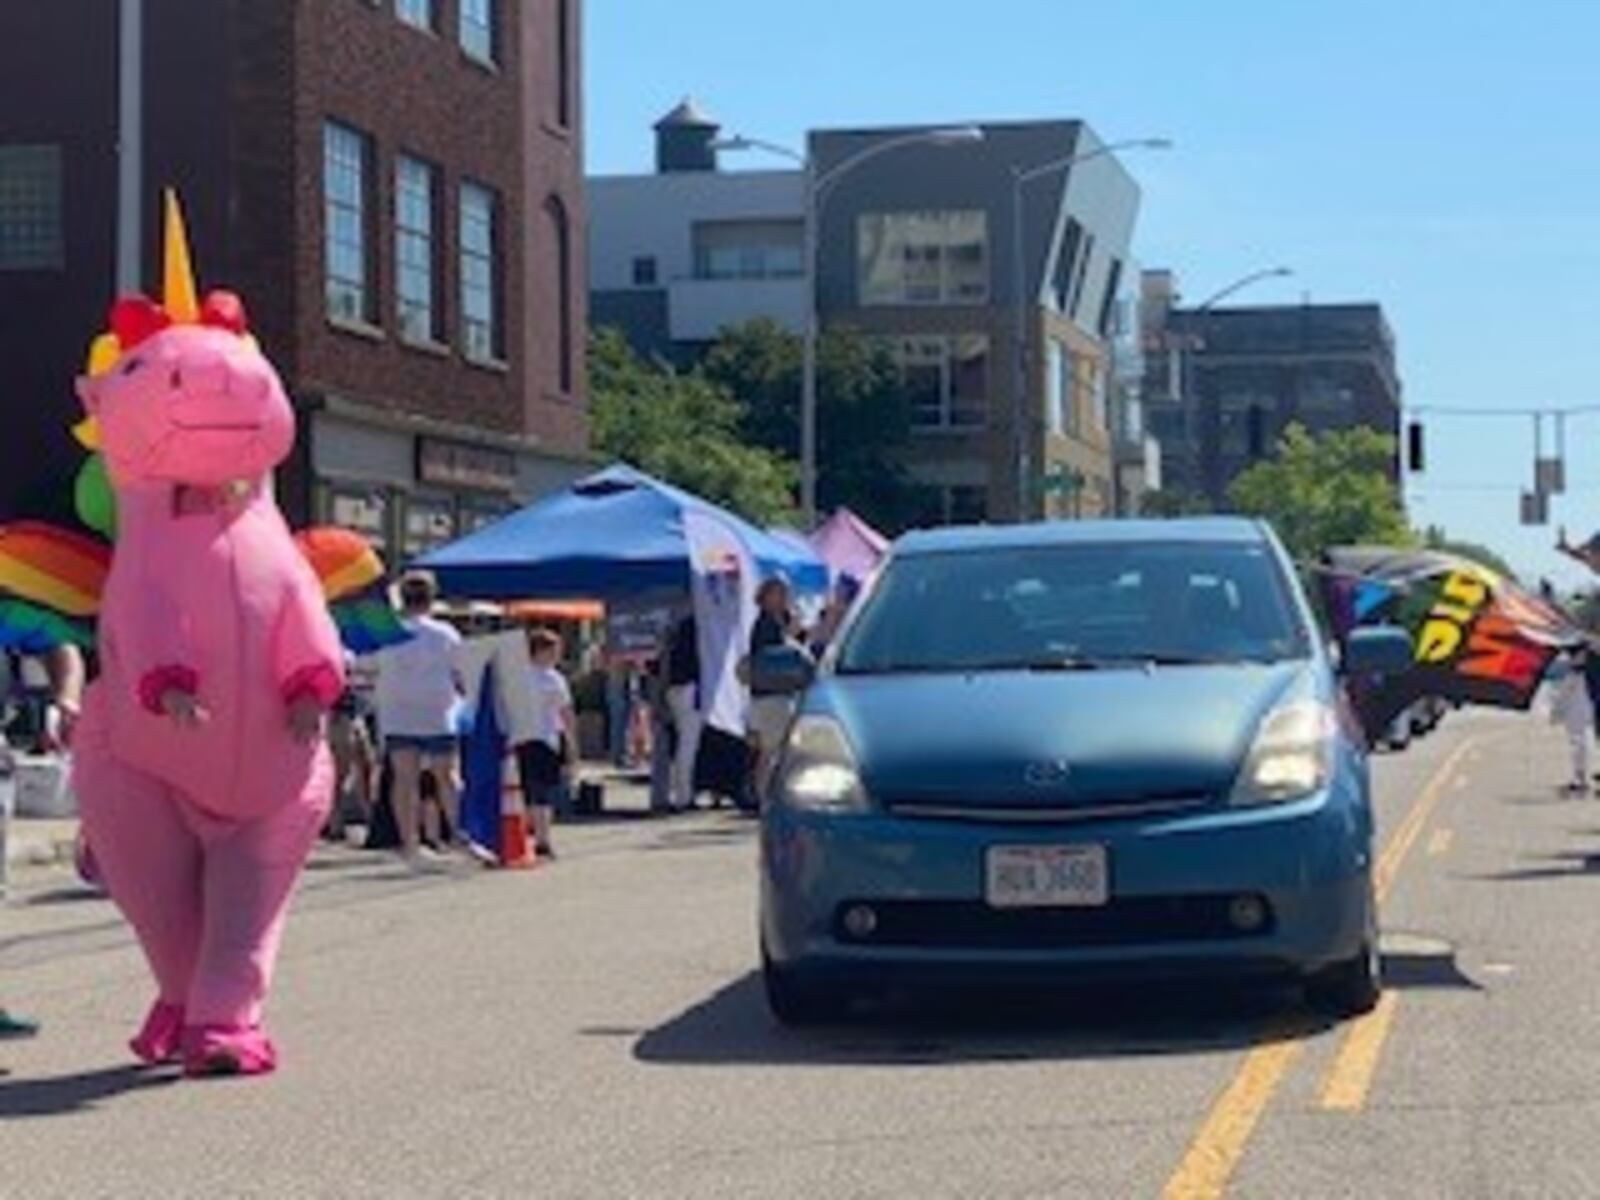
[(416, 284), (477, 30), (416, 12), (348, 267), (480, 316), (749, 249), (946, 379), (923, 257)]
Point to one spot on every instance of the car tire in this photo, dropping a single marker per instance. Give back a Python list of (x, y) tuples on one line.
[(796, 1002), (1350, 988)]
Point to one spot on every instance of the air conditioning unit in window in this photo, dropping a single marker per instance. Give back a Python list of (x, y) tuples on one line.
[(414, 326), (344, 305)]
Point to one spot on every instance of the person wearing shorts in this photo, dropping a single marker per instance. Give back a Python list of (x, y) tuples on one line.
[(418, 694), (770, 712), (545, 762)]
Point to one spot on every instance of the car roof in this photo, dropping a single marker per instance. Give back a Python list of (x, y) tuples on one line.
[(1216, 530)]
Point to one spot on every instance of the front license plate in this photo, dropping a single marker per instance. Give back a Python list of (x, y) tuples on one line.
[(1047, 877)]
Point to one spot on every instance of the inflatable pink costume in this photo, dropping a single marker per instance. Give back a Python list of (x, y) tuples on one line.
[(200, 768)]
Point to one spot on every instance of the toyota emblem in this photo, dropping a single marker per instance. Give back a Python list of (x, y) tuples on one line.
[(1053, 773)]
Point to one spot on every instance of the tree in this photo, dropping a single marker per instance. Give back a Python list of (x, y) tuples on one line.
[(683, 429), (1333, 489), (863, 414)]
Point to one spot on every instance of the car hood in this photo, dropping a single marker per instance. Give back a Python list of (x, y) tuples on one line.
[(1050, 738)]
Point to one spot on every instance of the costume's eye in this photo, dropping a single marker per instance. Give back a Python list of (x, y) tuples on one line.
[(176, 379), (132, 365)]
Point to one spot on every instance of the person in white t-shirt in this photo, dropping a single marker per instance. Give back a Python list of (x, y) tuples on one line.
[(418, 696), (545, 762)]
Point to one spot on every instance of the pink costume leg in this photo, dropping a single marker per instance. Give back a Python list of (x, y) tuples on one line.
[(250, 873), (150, 862)]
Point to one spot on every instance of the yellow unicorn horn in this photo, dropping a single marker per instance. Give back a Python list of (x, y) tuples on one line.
[(178, 295)]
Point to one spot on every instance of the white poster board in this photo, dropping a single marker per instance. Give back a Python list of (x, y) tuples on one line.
[(514, 701)]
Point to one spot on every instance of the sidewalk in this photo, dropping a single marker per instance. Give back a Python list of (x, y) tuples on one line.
[(40, 842)]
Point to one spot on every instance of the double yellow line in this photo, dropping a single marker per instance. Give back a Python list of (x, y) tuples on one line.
[(1215, 1152)]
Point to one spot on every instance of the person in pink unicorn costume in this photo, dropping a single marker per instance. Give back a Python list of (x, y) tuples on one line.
[(200, 766)]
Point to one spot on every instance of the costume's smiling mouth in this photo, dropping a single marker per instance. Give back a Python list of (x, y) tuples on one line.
[(218, 426)]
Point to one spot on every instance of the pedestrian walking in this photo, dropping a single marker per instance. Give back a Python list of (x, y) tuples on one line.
[(1572, 709), (354, 763), (545, 763), (683, 701), (418, 697)]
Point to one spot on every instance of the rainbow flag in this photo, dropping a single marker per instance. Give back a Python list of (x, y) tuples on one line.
[(343, 561), (26, 629), (56, 570)]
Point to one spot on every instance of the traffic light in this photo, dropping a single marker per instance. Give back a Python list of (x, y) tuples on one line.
[(1414, 450)]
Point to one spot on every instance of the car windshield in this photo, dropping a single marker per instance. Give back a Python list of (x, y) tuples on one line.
[(1079, 607)]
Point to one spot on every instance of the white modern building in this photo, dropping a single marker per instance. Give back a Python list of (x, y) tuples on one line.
[(677, 256)]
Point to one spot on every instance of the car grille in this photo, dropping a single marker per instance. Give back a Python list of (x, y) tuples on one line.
[(1060, 814), (962, 924)]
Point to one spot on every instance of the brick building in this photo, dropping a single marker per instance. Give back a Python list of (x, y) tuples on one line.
[(1223, 384), (394, 186)]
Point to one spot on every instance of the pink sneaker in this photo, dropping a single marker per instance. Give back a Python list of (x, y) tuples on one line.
[(227, 1050), (162, 1035)]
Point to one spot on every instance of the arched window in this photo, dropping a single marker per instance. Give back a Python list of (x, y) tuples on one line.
[(561, 241)]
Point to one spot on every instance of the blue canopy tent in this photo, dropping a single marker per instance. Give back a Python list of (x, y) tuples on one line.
[(615, 534)]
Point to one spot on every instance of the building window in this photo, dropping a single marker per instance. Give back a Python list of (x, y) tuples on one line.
[(345, 182), (418, 13), (363, 510), (480, 298), (478, 29), (561, 238), (946, 380), (1081, 278), (923, 257), (748, 249), (1066, 265), (1112, 321), (564, 58), (416, 271), (30, 208), (644, 271)]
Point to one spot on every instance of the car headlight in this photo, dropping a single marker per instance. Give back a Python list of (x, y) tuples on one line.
[(1292, 756), (819, 772)]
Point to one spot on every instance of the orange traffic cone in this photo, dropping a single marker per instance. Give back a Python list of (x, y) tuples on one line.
[(515, 852)]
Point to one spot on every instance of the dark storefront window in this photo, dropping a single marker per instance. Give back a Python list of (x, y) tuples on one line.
[(30, 208), (430, 522), (364, 510)]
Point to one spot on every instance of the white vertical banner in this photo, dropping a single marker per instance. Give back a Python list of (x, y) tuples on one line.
[(723, 582)]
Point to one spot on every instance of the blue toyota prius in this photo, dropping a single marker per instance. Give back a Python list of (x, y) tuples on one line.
[(1068, 751)]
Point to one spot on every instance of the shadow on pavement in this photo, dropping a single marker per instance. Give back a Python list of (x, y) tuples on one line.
[(1566, 864), (75, 894), (1419, 971), (65, 1094), (733, 1027)]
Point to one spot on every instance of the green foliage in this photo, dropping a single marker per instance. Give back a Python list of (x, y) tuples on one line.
[(863, 415), (1334, 489), (684, 429)]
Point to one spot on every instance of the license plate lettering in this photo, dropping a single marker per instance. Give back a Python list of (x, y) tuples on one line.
[(1047, 877)]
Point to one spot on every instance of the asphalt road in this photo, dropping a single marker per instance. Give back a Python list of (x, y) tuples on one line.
[(595, 1029)]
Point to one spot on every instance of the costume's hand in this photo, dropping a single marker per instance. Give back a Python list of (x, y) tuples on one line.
[(305, 720), (186, 711)]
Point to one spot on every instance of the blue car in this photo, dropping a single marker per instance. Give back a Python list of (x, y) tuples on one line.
[(1087, 750)]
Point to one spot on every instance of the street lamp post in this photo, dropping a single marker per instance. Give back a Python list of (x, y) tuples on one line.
[(1190, 375), (816, 190), (1020, 178)]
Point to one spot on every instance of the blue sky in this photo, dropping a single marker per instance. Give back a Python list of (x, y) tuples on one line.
[(1437, 156)]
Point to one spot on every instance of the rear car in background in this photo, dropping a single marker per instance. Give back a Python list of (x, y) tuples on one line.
[(1082, 750)]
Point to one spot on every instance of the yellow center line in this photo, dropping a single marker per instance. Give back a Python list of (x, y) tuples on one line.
[(1220, 1142), (1346, 1086), (1349, 1078)]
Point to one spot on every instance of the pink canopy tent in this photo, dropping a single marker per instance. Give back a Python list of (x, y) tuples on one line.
[(849, 546)]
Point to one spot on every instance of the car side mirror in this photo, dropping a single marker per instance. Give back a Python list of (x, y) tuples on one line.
[(1377, 650), (781, 671)]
